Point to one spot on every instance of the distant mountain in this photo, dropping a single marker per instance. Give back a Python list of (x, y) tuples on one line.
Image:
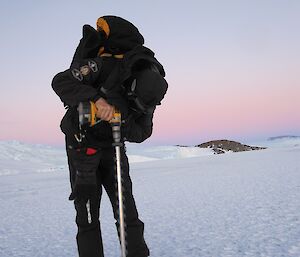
[(283, 137), (223, 146)]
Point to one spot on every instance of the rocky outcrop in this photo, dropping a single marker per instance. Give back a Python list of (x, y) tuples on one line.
[(223, 146)]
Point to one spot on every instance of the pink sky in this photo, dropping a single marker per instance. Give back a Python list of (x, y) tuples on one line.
[(232, 68)]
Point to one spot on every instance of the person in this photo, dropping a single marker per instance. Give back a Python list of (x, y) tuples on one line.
[(113, 69)]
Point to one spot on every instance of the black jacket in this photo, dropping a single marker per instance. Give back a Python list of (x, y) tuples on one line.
[(108, 82)]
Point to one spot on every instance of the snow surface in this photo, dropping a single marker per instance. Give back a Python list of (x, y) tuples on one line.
[(238, 204)]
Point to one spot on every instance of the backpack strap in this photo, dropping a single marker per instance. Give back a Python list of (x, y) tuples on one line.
[(124, 69)]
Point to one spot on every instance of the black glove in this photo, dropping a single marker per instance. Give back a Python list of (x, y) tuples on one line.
[(85, 184)]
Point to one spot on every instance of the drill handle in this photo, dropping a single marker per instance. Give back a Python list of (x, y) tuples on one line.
[(116, 120)]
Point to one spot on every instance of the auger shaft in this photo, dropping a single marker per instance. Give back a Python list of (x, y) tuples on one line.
[(116, 131)]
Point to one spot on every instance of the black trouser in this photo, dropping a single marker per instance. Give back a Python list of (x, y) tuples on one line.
[(89, 239)]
